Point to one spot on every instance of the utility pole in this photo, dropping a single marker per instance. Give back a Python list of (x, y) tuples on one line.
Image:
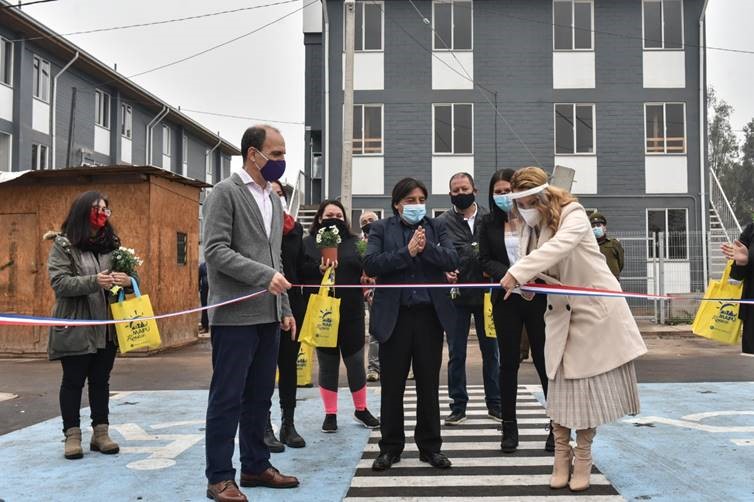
[(347, 154)]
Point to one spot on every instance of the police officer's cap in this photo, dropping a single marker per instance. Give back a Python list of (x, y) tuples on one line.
[(597, 217)]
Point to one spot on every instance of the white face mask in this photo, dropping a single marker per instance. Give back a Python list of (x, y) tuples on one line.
[(531, 216), (284, 203)]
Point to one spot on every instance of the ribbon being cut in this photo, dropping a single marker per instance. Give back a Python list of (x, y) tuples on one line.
[(548, 289)]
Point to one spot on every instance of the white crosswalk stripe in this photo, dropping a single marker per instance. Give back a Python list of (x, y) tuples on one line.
[(480, 470)]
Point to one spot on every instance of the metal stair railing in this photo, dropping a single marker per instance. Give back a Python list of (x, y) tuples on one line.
[(722, 208)]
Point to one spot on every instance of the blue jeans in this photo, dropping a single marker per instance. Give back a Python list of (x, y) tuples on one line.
[(457, 342), (243, 380)]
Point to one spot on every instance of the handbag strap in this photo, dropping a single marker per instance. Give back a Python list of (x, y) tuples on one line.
[(328, 281), (122, 292)]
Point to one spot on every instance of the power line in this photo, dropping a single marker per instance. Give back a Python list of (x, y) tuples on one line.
[(164, 21), (470, 79), (223, 44), (242, 117), (20, 5)]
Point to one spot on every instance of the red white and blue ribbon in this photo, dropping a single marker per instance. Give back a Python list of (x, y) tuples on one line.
[(546, 289)]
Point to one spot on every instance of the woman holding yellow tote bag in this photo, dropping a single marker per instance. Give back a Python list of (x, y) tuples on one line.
[(80, 269), (350, 343), (742, 253)]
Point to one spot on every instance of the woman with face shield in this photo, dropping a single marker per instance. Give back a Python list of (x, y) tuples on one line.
[(591, 342)]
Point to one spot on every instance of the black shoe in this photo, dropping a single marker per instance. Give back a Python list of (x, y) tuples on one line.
[(438, 460), (550, 443), (331, 423), (509, 442), (385, 461), (366, 419), (455, 418), (289, 436), (270, 440), (495, 414)]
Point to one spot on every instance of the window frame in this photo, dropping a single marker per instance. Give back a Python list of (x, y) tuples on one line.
[(651, 258), (665, 128), (184, 154), (573, 130), (9, 64), (38, 67), (167, 147), (573, 26), (452, 130), (36, 156), (381, 153), (662, 27), (126, 120), (359, 30), (452, 41), (100, 110)]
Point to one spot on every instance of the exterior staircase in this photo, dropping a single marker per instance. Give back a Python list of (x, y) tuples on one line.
[(723, 226), (717, 236), (306, 215)]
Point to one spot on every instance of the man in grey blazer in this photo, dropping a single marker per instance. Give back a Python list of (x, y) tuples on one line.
[(243, 227)]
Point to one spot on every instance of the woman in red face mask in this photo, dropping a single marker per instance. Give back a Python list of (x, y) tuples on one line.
[(79, 265)]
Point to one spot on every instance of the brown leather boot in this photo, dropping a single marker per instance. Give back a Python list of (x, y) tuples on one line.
[(271, 478), (225, 491), (73, 448), (582, 464), (102, 442), (561, 467)]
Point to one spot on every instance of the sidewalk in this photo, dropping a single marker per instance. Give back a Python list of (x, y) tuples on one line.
[(652, 330)]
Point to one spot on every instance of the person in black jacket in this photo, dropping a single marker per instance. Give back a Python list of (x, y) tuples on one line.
[(348, 270), (742, 253), (462, 224), (292, 252), (498, 250), (409, 248), (203, 293)]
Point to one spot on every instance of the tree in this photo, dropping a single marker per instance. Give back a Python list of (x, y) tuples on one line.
[(723, 144), (743, 202)]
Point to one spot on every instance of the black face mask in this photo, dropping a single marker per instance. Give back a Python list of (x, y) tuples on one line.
[(335, 222), (463, 201), (366, 227)]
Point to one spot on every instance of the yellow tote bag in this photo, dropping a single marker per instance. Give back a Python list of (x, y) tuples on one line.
[(137, 334), (322, 317), (718, 320), (489, 322), (304, 364)]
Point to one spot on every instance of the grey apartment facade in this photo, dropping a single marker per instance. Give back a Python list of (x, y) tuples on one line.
[(610, 88), (60, 107)]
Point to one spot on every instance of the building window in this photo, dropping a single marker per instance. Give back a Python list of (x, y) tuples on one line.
[(574, 129), (38, 156), (573, 22), (102, 109), (673, 223), (41, 79), (453, 129), (209, 176), (184, 154), (166, 140), (6, 148), (6, 62), (367, 130), (182, 248), (453, 25), (663, 24), (665, 129), (369, 23), (126, 120)]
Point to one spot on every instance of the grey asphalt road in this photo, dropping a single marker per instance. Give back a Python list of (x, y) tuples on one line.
[(36, 382)]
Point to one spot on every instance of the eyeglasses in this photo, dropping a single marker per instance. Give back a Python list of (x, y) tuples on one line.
[(102, 210)]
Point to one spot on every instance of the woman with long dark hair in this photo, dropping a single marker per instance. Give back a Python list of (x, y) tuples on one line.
[(348, 270), (498, 250), (80, 269)]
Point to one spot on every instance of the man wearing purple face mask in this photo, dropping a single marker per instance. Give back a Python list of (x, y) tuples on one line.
[(243, 232)]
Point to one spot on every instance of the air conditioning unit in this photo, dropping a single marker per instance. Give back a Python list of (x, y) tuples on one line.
[(87, 158)]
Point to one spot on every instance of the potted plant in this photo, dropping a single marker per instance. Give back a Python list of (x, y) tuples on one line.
[(327, 239)]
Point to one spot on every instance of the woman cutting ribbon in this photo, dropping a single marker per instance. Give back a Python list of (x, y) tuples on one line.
[(591, 342)]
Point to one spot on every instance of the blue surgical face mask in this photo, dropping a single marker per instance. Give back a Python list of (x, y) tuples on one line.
[(504, 202), (273, 170), (599, 232), (414, 213)]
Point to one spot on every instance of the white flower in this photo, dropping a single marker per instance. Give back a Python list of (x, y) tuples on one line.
[(319, 238), (335, 230)]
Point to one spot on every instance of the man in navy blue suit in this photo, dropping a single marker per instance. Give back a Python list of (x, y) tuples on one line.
[(410, 248)]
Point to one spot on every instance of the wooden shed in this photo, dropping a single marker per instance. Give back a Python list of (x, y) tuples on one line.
[(156, 212)]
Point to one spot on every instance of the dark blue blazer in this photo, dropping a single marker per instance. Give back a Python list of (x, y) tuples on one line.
[(389, 262)]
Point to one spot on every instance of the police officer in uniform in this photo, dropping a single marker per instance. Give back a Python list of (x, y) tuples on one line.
[(610, 247)]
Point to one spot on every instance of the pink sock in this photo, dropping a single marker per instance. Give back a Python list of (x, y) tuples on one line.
[(330, 400), (360, 399)]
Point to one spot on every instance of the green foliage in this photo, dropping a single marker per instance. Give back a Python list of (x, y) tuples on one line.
[(328, 237)]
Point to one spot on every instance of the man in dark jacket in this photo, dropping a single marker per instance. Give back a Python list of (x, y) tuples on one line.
[(461, 225), (610, 247), (742, 253)]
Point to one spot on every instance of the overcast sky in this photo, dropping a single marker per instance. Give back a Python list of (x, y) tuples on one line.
[(262, 75)]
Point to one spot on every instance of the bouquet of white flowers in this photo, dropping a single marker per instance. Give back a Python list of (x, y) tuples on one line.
[(125, 260), (328, 237)]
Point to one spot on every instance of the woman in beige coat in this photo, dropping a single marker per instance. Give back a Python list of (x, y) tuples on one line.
[(591, 342)]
